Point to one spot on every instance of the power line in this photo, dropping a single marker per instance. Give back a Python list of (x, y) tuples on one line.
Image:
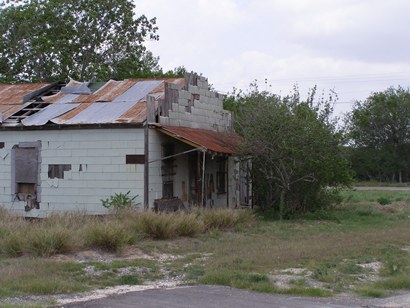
[(364, 78)]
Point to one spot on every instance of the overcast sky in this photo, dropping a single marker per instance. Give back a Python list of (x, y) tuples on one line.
[(352, 46)]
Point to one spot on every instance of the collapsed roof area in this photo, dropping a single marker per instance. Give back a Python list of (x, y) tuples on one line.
[(78, 102)]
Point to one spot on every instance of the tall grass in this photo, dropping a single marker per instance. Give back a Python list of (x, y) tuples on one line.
[(331, 246), (70, 232), (48, 242), (107, 235)]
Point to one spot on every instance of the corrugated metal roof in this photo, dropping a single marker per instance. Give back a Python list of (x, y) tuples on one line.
[(107, 93), (111, 112), (219, 142), (138, 91), (13, 94), (98, 113), (47, 114), (113, 102)]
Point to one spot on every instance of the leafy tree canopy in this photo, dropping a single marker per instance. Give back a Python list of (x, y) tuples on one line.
[(46, 40), (294, 145), (379, 128)]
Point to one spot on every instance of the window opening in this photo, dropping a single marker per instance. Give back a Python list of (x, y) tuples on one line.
[(57, 171), (168, 170), (134, 159), (221, 176)]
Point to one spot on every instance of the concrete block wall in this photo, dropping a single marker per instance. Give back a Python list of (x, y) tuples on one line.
[(98, 168), (198, 107)]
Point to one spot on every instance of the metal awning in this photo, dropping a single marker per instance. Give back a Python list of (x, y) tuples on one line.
[(208, 140)]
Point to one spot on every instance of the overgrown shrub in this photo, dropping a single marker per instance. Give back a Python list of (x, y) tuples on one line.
[(158, 226), (12, 245), (108, 235), (188, 224), (43, 241), (294, 146), (219, 218)]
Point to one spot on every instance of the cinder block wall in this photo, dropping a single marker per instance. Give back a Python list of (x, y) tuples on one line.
[(198, 107), (98, 168)]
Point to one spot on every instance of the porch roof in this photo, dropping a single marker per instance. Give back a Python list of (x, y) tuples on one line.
[(213, 141)]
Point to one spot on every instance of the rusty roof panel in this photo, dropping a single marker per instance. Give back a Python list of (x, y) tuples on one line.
[(136, 114), (98, 113), (114, 102), (106, 93), (117, 110), (69, 115), (14, 94), (219, 142), (138, 91), (9, 110), (62, 98)]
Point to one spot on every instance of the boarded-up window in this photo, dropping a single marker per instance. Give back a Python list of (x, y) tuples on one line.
[(25, 170), (26, 165), (134, 159), (57, 171)]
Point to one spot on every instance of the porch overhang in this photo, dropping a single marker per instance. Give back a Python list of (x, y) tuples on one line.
[(225, 143)]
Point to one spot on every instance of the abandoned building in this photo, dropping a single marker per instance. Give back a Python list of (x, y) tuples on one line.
[(67, 147)]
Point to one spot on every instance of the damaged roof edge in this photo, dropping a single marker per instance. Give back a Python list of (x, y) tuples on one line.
[(38, 92)]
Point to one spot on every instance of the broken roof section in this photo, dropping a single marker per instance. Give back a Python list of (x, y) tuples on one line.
[(14, 97), (80, 103)]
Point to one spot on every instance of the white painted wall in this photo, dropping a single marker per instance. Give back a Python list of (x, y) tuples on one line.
[(101, 155)]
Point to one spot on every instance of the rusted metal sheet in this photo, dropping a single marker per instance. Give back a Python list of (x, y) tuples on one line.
[(138, 91), (63, 97), (219, 142), (98, 113), (126, 105), (62, 119), (14, 94), (76, 103), (136, 114), (106, 93)]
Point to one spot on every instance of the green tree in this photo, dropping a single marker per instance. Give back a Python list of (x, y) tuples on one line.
[(379, 128), (45, 40), (297, 162)]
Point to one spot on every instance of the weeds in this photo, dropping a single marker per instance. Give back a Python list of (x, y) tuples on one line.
[(120, 201), (189, 225), (158, 226), (331, 245), (108, 235), (219, 219), (384, 200)]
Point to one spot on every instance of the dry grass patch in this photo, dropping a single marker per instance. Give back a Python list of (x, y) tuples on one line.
[(24, 276), (107, 235)]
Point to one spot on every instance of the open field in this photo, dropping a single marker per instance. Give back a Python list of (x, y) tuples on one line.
[(360, 248), (383, 184)]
